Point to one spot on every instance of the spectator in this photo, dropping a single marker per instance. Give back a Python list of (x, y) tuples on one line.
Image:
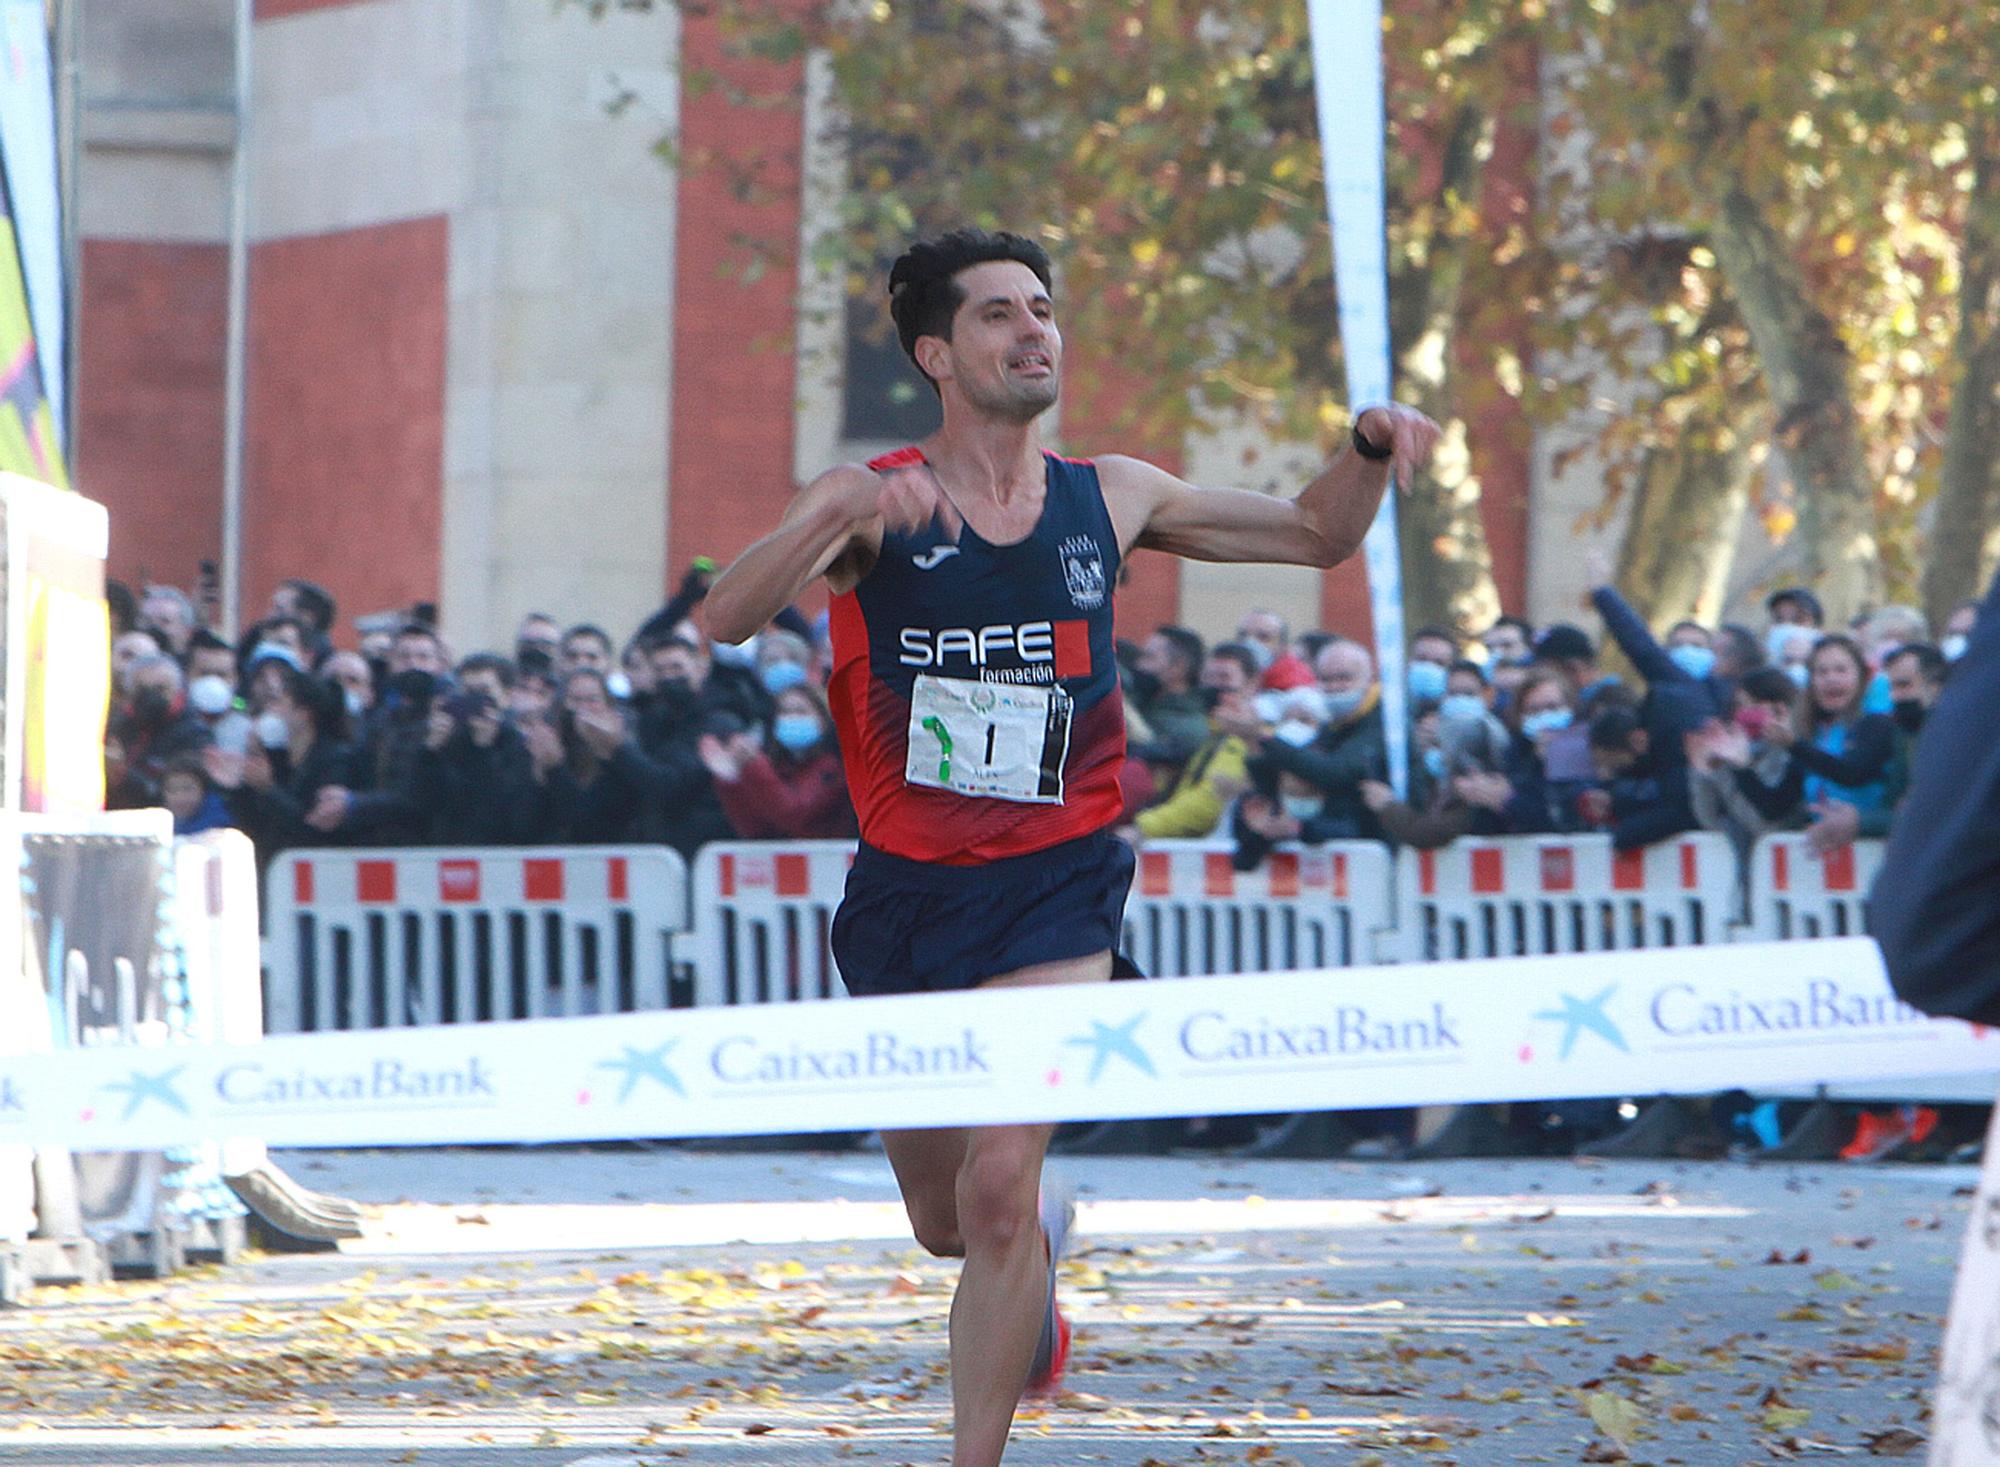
[(1215, 774), (152, 727), (1917, 672), (1569, 650), (382, 809), (533, 695), (1643, 794), (1510, 652), (170, 614), (796, 790), (126, 650), (1737, 652), (637, 667), (587, 648), (313, 608), (378, 639), (298, 754), (596, 786), (195, 804), (1682, 691), (1432, 652), (1313, 792), (686, 704), (1163, 686), (1890, 628), (473, 781), (122, 606), (1267, 638), (538, 632), (1457, 786), (1958, 630), (1795, 606), (1840, 754), (210, 656), (784, 661), (357, 684), (1732, 765), (1546, 763)]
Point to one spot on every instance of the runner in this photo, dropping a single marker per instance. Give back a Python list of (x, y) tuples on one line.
[(976, 697)]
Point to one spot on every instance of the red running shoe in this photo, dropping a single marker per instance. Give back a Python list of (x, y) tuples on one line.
[(1045, 1373)]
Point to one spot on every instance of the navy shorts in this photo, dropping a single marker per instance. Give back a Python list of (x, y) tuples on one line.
[(914, 927)]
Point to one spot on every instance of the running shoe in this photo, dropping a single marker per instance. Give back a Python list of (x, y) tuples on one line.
[(1058, 1214)]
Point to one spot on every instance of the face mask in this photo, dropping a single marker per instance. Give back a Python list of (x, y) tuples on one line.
[(1301, 807), (1799, 673), (272, 731), (1753, 720), (1953, 646), (150, 705), (795, 731), (1269, 706), (1462, 708), (1264, 655), (1434, 763), (1210, 697), (1427, 680), (1696, 662), (618, 686), (211, 695), (779, 676), (1295, 733), (278, 650), (352, 698), (413, 686), (736, 654), (1780, 637), (1549, 720), (1342, 706), (1145, 688), (1910, 715)]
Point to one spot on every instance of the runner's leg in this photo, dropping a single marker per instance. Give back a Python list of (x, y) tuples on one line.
[(927, 1164)]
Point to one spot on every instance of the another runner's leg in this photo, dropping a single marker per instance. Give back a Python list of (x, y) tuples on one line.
[(996, 1316)]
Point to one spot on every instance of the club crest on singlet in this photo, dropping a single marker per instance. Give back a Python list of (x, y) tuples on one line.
[(1083, 571)]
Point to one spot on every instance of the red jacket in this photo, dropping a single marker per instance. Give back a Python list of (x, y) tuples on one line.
[(799, 802)]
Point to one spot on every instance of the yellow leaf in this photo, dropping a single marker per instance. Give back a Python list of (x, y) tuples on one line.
[(1145, 252), (1615, 1416)]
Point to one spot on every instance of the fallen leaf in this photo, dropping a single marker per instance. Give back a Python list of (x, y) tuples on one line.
[(1616, 1416), (1897, 1441)]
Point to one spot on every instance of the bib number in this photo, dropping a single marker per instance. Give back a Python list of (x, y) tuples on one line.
[(994, 741)]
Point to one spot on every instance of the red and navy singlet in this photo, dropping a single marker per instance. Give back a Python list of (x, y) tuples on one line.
[(1034, 613)]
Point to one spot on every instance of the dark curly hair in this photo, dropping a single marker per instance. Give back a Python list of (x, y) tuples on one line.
[(924, 293)]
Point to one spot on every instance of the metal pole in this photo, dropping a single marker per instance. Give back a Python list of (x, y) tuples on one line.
[(69, 119), (233, 359)]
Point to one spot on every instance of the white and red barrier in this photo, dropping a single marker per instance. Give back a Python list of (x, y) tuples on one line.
[(762, 921), (1796, 892), (1532, 896), (1192, 913), (383, 939)]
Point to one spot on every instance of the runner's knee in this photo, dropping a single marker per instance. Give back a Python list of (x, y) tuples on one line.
[(996, 1195), (935, 1222)]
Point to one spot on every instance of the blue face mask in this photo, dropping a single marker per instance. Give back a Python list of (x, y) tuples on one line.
[(1427, 680), (1342, 706), (779, 676), (1462, 708), (1302, 807), (1696, 662), (795, 731), (1434, 762), (1549, 720)]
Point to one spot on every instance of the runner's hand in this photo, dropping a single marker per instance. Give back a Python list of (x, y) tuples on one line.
[(1413, 435), (909, 498)]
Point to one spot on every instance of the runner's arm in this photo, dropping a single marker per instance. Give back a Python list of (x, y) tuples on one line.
[(823, 523), (1322, 527)]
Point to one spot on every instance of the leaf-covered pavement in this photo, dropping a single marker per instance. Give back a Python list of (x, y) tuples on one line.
[(1519, 1312)]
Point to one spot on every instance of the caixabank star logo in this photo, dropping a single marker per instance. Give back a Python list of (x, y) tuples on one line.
[(141, 1087), (637, 1067), (1108, 1042), (1581, 1016)]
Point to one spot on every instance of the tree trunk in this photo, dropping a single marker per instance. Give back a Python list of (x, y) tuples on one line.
[(1969, 479), (1447, 568), (1805, 364), (1681, 539)]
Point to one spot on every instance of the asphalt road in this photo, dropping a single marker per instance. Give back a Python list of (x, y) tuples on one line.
[(576, 1308)]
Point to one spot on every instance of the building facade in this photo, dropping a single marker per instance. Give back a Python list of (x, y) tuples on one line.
[(501, 356)]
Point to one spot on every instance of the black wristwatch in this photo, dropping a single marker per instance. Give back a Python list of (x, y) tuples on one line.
[(1380, 454)]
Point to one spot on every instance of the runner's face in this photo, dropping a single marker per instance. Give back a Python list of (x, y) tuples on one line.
[(1005, 353)]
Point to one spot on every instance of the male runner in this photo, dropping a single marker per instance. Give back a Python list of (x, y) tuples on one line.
[(976, 697)]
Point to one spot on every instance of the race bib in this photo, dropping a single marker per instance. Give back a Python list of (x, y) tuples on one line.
[(995, 741)]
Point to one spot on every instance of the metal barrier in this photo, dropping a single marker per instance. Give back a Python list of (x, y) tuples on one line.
[(382, 939), (763, 918), (1795, 892), (1192, 913), (1529, 896)]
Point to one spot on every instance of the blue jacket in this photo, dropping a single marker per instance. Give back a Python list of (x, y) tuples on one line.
[(1936, 906)]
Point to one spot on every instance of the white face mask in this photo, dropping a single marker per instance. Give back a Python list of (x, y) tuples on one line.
[(1953, 646), (352, 697), (210, 695), (1302, 807), (272, 731), (618, 686), (1297, 734)]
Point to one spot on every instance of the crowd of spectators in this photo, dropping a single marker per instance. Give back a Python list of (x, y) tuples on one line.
[(567, 737)]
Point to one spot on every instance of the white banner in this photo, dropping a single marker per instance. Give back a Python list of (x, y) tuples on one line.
[(1692, 1021), (1347, 81)]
